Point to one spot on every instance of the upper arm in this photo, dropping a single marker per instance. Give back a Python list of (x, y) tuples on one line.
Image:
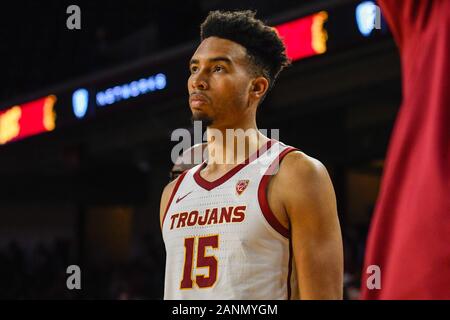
[(168, 189), (310, 203)]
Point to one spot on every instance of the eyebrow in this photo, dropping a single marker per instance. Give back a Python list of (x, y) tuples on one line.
[(215, 59)]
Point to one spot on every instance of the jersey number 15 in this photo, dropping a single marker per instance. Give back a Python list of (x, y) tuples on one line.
[(203, 261)]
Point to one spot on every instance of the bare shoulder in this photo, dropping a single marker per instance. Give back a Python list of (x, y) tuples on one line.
[(169, 187), (167, 192), (298, 167), (303, 182)]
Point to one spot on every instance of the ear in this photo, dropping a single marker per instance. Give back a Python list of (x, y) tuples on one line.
[(259, 87)]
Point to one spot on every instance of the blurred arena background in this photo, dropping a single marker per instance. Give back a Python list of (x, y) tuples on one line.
[(83, 170)]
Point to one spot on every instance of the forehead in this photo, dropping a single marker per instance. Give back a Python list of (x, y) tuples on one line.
[(217, 47)]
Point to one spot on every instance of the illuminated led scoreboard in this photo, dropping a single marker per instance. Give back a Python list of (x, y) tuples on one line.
[(28, 119), (304, 37), (344, 27)]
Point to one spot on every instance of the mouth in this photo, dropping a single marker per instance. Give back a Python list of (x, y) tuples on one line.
[(196, 104), (197, 100)]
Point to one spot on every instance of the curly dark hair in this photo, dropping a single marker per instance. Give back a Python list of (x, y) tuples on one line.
[(265, 49)]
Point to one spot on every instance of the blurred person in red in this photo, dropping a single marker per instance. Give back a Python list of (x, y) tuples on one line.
[(409, 238)]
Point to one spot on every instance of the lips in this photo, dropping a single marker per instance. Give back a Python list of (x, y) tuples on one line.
[(197, 99)]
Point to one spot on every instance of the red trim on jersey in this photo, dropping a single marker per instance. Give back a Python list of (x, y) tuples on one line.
[(209, 185), (174, 191), (262, 194), (289, 271)]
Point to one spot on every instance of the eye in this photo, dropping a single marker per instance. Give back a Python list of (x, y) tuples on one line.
[(218, 68), (193, 69)]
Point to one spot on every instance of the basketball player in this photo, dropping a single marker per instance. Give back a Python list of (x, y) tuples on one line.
[(265, 227)]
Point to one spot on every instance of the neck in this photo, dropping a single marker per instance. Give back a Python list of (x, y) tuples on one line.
[(230, 146)]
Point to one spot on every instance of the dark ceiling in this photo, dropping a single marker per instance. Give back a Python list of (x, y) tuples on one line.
[(37, 50)]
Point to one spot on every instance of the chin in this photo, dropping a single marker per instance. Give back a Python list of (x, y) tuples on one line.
[(204, 118)]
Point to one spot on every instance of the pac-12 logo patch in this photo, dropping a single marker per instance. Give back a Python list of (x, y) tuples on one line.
[(241, 185)]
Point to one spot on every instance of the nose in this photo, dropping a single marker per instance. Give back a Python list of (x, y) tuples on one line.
[(199, 81)]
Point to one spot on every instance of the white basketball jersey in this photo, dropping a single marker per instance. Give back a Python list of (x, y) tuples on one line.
[(222, 239)]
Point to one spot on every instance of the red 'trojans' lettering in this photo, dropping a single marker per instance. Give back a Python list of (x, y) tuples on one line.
[(210, 216)]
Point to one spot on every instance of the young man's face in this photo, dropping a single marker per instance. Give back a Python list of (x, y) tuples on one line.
[(219, 83)]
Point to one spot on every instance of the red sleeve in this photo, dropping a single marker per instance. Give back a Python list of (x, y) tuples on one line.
[(410, 231), (406, 17)]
